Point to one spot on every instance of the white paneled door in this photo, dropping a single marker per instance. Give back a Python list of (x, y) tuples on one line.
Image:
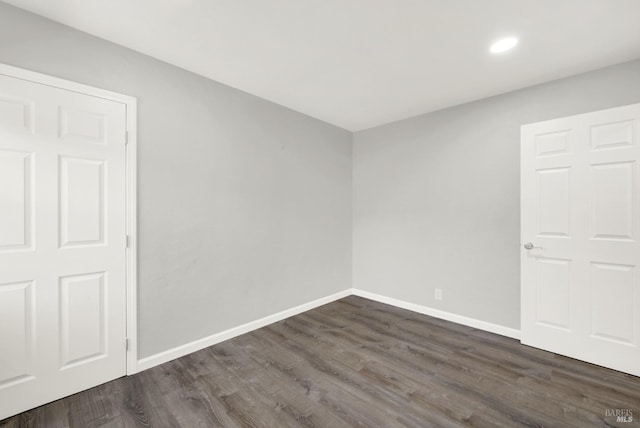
[(62, 243), (581, 237)]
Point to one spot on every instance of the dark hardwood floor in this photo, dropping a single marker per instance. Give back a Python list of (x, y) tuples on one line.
[(359, 363)]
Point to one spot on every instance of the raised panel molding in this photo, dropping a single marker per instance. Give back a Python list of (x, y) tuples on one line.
[(612, 201), (613, 306), (16, 114), (553, 293), (612, 135), (16, 193), (552, 144), (81, 125), (553, 201), (82, 202), (82, 318), (17, 330)]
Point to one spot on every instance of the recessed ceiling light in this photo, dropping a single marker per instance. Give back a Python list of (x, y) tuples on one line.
[(504, 45)]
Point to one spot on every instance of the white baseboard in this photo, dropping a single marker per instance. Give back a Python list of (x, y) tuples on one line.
[(196, 345), (448, 316)]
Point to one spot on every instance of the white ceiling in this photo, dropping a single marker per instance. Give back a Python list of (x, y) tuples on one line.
[(362, 63)]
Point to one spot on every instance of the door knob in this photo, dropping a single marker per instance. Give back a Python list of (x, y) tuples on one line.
[(528, 246)]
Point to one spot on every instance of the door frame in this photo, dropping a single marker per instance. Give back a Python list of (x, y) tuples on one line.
[(130, 190)]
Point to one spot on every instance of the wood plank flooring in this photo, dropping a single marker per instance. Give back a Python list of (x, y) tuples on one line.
[(355, 363)]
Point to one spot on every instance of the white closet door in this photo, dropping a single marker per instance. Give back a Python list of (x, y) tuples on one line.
[(580, 187), (62, 243)]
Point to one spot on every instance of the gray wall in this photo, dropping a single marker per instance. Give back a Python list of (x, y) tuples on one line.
[(244, 206), (437, 198)]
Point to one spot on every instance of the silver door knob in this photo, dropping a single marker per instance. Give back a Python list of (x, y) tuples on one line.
[(528, 246)]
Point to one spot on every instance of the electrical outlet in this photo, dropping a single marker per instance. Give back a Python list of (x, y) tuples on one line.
[(438, 294)]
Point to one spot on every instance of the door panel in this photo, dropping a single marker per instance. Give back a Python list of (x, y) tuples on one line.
[(15, 200), (17, 331), (81, 126), (62, 243), (614, 135), (16, 113), (82, 318), (82, 205), (552, 144), (612, 318), (612, 197), (554, 293), (580, 202), (553, 201)]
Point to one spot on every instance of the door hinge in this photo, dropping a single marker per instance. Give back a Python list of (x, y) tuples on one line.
[(127, 241), (127, 343), (126, 137)]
